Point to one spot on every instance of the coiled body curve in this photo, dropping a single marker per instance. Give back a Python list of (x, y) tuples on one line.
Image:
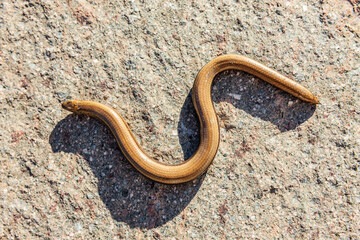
[(209, 126)]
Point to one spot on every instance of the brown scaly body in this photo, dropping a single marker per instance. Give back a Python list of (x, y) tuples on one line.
[(209, 127)]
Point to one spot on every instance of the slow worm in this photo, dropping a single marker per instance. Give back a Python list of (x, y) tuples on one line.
[(209, 126)]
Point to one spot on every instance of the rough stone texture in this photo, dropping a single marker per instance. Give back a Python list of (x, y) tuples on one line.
[(285, 169)]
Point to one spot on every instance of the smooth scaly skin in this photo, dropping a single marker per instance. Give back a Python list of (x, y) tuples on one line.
[(209, 127)]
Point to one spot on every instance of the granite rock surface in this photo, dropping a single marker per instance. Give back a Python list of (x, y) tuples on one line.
[(285, 169)]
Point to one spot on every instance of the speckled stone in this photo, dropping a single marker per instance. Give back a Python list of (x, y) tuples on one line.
[(285, 169)]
